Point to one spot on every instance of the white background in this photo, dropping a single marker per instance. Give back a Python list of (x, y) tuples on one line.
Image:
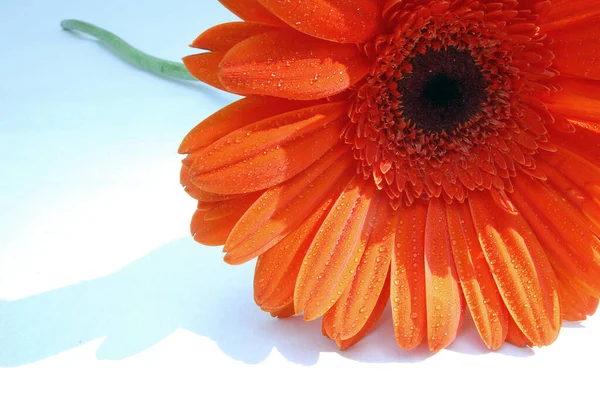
[(103, 295)]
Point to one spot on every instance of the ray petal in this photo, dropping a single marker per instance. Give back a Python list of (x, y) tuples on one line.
[(354, 308), (444, 296), (567, 12), (304, 68), (481, 294), (563, 231), (336, 20), (520, 268), (576, 304), (239, 114), (330, 263), (378, 310), (214, 230), (515, 336), (282, 208), (577, 46), (205, 67), (255, 138), (251, 11), (273, 166), (579, 99), (277, 269), (408, 276), (223, 37)]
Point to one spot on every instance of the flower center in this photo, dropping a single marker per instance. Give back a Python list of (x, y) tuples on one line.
[(445, 89), (449, 106)]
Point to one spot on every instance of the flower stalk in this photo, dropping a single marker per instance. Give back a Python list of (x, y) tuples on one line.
[(128, 53)]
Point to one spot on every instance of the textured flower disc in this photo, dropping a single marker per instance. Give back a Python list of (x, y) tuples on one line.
[(437, 156)]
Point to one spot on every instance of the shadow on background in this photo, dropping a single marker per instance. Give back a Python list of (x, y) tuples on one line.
[(181, 285)]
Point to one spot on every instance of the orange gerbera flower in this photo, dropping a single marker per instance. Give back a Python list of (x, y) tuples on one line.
[(442, 155)]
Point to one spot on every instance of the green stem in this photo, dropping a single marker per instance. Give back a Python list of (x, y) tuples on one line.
[(128, 53)]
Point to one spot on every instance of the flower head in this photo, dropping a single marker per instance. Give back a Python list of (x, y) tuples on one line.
[(442, 156)]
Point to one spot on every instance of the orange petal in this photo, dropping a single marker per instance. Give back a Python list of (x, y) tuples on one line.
[(198, 194), (584, 173), (288, 64), (330, 263), (520, 268), (277, 269), (205, 67), (214, 231), (564, 232), (384, 296), (585, 141), (251, 11), (281, 209), (568, 12), (352, 310), (578, 196), (480, 291), (284, 312), (237, 115), (577, 46), (575, 304), (579, 99), (273, 166), (264, 135), (224, 36), (444, 298), (408, 276), (336, 20), (515, 336)]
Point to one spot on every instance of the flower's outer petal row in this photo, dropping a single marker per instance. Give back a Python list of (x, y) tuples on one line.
[(268, 152), (219, 40), (520, 268), (195, 192), (284, 312), (340, 21), (239, 114), (272, 166), (579, 99), (288, 64), (213, 226), (481, 294), (371, 321), (330, 263), (515, 336), (224, 36), (252, 11), (584, 174), (582, 199), (277, 269), (585, 140), (357, 303), (445, 304), (564, 12), (576, 305), (577, 47), (255, 138), (409, 311), (282, 208), (567, 236), (574, 171), (205, 67)]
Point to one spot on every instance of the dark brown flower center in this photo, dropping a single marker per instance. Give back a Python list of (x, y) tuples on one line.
[(444, 90)]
